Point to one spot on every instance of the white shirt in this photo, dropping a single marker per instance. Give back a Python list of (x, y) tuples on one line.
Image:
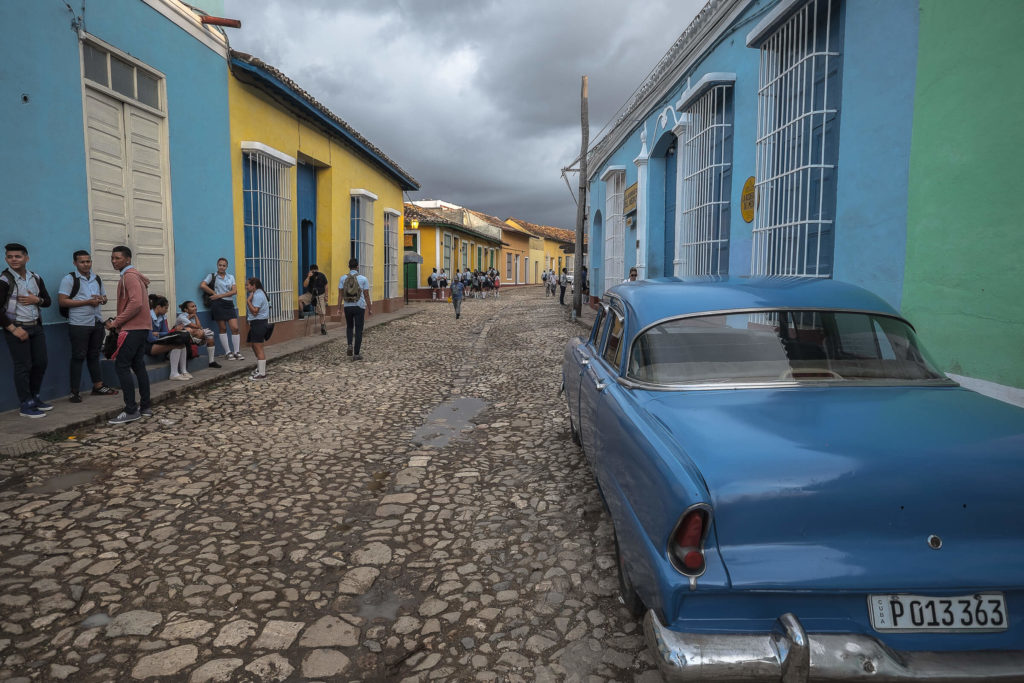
[(25, 313), (223, 285), (90, 286), (364, 284), (261, 303)]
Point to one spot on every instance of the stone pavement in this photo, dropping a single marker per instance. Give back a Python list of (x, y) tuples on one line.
[(419, 515), (21, 436)]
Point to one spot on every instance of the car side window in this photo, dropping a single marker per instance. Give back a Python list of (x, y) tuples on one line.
[(595, 331), (613, 344)]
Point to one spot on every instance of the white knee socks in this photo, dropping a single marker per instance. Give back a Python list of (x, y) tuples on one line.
[(224, 341), (176, 361), (183, 361), (237, 339), (211, 351)]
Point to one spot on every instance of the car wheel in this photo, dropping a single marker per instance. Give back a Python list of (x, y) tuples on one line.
[(628, 596), (572, 425)]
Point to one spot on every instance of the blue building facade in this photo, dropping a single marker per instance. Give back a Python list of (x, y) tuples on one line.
[(773, 138), (115, 130)]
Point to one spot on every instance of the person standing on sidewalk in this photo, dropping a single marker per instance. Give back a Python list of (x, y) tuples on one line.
[(257, 307), (316, 288), (221, 289), (354, 293), (563, 282), (22, 295), (133, 323), (458, 292), (80, 296)]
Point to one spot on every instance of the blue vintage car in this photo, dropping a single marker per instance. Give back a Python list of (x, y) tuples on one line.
[(798, 493)]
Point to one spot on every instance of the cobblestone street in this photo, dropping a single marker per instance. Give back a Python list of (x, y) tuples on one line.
[(420, 515)]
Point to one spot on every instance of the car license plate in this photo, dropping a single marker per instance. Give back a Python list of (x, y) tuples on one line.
[(924, 613)]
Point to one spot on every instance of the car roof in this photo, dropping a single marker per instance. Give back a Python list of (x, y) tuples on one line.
[(658, 298)]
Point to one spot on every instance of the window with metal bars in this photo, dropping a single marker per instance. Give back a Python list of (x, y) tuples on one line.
[(361, 245), (390, 255), (615, 230), (798, 143), (446, 264), (267, 219), (707, 175)]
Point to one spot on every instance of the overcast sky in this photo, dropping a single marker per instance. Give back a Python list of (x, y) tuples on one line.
[(476, 99)]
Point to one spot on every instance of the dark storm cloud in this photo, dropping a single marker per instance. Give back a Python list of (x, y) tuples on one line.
[(478, 99)]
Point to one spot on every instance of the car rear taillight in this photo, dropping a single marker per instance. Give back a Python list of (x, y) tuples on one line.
[(687, 545)]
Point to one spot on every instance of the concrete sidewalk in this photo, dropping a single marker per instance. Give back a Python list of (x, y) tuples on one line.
[(20, 435)]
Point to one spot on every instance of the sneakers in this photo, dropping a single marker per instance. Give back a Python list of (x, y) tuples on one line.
[(237, 356), (39, 404), (28, 409), (181, 378), (256, 376), (215, 364), (75, 397), (323, 329), (146, 412), (125, 417), (187, 375), (104, 391), (349, 351), (358, 356)]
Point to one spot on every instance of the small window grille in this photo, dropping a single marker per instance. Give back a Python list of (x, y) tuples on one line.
[(615, 230), (447, 263), (707, 174), (798, 144), (361, 246), (269, 233)]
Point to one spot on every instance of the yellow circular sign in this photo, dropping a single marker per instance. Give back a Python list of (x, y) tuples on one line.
[(748, 199)]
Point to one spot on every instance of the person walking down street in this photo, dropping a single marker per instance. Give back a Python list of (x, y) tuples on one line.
[(188, 320), (458, 292), (133, 323), (79, 298), (563, 281), (22, 295), (220, 288), (316, 294), (354, 292), (258, 309)]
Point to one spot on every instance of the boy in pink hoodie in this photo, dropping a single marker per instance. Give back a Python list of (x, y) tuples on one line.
[(133, 322)]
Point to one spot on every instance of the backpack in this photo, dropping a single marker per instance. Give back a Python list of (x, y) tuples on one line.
[(351, 290), (76, 284), (8, 277), (206, 295), (544, 277)]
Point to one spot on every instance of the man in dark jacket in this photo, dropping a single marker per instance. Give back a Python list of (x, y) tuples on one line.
[(23, 294)]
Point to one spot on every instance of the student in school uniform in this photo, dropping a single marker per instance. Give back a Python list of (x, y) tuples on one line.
[(222, 291), (258, 313)]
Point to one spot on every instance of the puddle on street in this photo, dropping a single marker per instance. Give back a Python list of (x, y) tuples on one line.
[(374, 605), (446, 421), (66, 481)]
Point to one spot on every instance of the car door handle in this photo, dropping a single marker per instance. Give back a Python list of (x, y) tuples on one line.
[(599, 385), (584, 361)]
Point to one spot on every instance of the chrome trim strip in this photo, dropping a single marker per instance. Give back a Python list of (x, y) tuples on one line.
[(785, 384), (791, 655)]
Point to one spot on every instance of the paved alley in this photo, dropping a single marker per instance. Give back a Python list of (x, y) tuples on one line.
[(420, 515)]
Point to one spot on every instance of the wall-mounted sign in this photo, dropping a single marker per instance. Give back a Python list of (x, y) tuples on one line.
[(629, 199), (408, 242), (748, 200)]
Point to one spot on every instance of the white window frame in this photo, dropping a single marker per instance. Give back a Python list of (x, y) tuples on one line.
[(391, 217), (270, 233), (706, 163), (614, 226), (787, 161), (446, 261), (361, 230)]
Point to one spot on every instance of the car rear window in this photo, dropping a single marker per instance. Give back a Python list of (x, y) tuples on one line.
[(780, 346)]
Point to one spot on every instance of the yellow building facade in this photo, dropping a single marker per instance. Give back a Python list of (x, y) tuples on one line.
[(447, 237), (308, 189)]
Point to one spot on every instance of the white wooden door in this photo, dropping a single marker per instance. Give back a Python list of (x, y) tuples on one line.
[(128, 183)]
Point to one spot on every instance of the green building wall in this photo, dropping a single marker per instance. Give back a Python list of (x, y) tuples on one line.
[(964, 279)]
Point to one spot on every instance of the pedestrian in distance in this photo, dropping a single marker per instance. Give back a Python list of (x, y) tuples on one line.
[(316, 294), (22, 296), (432, 283), (458, 292), (163, 342), (219, 292), (258, 308), (632, 276), (354, 293), (442, 283), (563, 281), (79, 298), (188, 320), (133, 323)]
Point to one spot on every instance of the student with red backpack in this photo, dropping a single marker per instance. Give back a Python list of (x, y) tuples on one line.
[(22, 295)]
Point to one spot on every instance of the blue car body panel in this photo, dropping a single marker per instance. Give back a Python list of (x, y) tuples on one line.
[(820, 494)]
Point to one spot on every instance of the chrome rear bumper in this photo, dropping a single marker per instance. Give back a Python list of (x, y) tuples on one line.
[(789, 655)]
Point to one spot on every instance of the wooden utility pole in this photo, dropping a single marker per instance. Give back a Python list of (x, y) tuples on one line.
[(581, 208)]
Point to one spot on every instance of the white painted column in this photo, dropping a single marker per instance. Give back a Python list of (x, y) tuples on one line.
[(679, 130), (641, 207)]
